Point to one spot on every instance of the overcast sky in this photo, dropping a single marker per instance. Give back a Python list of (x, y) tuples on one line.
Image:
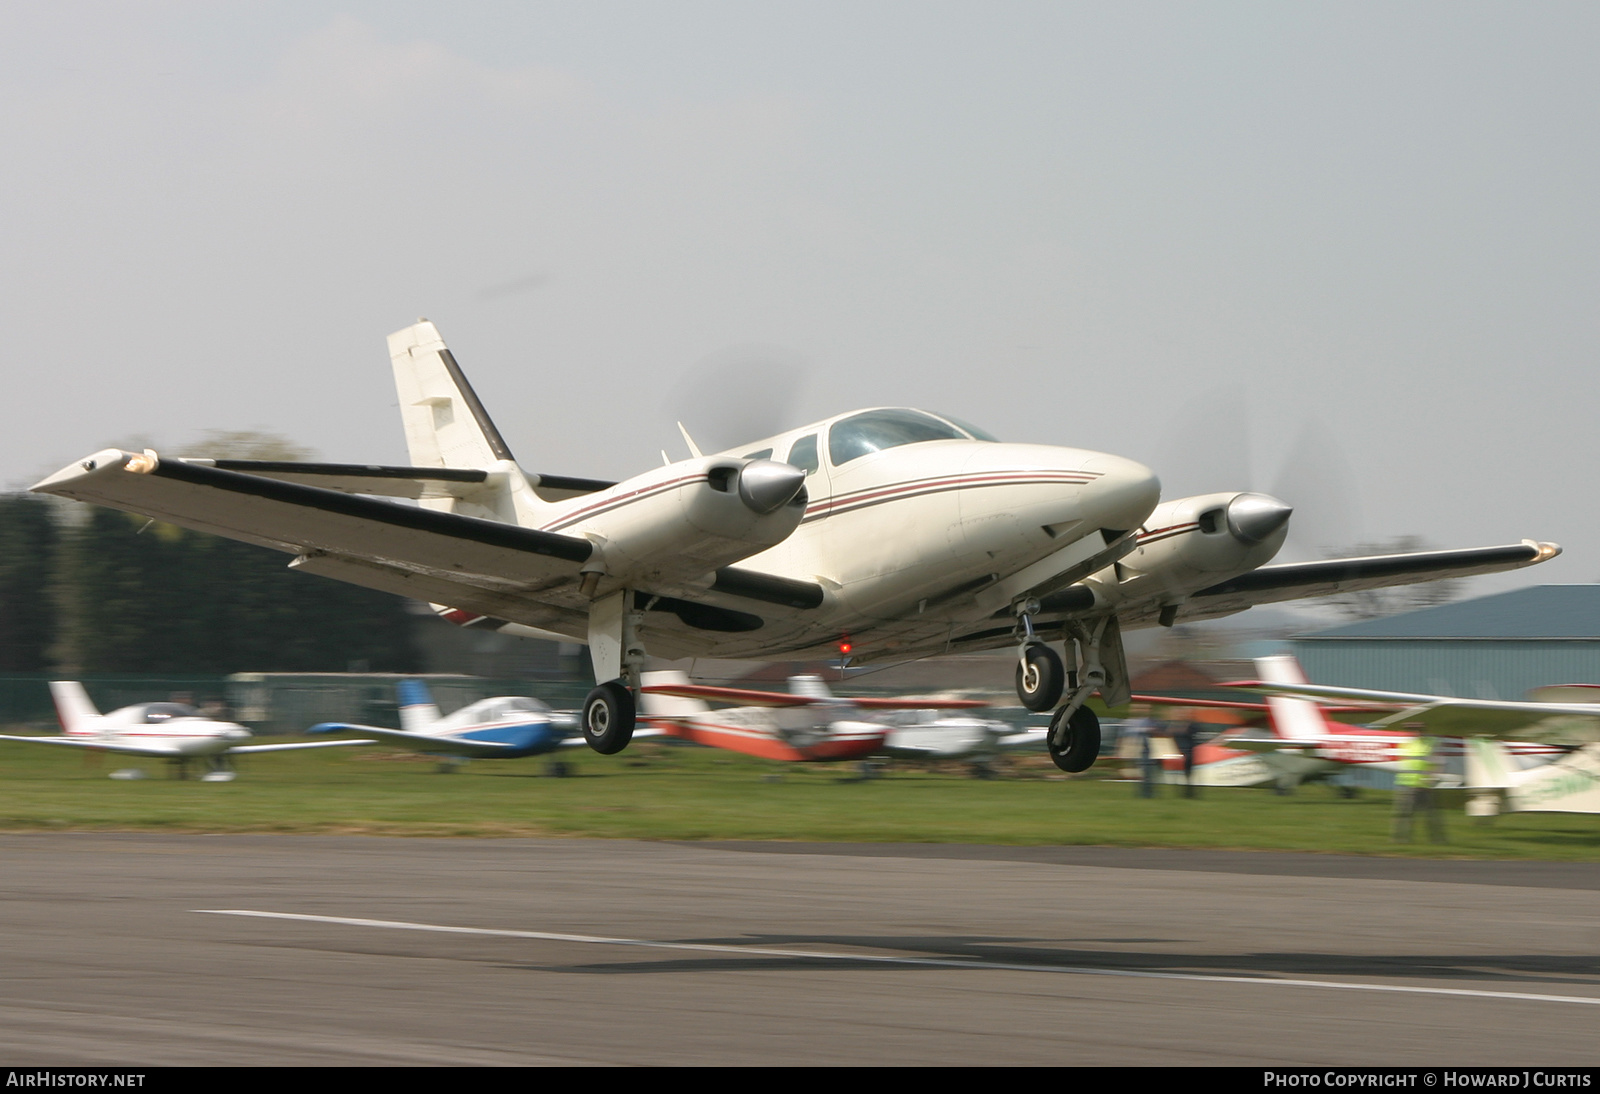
[(1346, 252)]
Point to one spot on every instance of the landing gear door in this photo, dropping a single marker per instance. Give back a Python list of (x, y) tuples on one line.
[(1116, 691)]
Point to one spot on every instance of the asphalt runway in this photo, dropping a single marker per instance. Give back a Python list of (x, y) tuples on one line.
[(144, 950)]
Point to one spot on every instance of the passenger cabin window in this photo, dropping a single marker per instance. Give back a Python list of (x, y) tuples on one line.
[(804, 454), (876, 430)]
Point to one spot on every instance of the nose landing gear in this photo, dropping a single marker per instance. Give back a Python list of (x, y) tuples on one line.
[(1074, 740), (1040, 674), (1099, 665)]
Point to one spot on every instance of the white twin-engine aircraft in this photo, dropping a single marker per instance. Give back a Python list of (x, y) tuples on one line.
[(886, 534)]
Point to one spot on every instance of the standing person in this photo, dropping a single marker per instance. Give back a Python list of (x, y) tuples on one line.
[(1187, 738), (1415, 787), (1139, 731)]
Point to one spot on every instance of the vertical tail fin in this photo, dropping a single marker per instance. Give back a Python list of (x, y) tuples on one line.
[(417, 708), (447, 426), (811, 687), (1296, 719), (73, 707), (668, 706)]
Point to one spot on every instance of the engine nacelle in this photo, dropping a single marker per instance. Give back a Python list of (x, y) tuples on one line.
[(683, 521), (1195, 542)]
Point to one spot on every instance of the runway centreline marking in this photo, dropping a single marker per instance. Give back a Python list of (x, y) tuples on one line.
[(884, 959)]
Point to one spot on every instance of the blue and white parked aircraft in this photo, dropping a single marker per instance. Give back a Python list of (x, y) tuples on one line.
[(504, 727)]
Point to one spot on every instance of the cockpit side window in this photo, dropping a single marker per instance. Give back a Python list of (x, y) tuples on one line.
[(764, 454), (875, 430), (804, 453), (156, 713), (977, 434)]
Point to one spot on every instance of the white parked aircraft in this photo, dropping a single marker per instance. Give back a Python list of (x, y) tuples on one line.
[(504, 727), (166, 731), (884, 534)]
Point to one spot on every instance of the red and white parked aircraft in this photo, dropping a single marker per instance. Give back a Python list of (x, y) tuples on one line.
[(164, 731), (806, 724), (887, 533), (1308, 741)]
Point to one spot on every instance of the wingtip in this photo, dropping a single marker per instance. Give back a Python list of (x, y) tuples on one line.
[(103, 460)]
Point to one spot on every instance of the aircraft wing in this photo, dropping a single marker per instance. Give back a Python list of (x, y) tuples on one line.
[(400, 482), (918, 704), (519, 574), (744, 696), (1299, 580), (241, 749), (419, 742), (485, 568), (755, 698), (1557, 723), (71, 742)]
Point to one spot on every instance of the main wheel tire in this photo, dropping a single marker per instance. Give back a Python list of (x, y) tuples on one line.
[(1082, 745), (1039, 678), (608, 715)]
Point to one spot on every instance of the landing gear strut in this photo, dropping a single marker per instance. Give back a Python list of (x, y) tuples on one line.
[(1099, 665)]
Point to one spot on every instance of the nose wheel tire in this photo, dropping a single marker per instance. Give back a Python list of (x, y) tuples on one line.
[(1081, 744), (1039, 678), (608, 715)]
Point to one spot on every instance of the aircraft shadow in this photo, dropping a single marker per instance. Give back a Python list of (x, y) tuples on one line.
[(1520, 968)]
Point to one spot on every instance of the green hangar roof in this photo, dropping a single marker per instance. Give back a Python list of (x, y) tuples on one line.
[(1544, 611)]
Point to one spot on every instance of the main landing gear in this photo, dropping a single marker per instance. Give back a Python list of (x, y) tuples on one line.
[(1042, 678), (608, 717), (618, 657)]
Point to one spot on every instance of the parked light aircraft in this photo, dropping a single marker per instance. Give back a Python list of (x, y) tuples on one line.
[(928, 734), (806, 723), (1306, 742), (1570, 784), (881, 534), (166, 731), (504, 727)]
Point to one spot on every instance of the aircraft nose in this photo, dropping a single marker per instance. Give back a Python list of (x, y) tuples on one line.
[(236, 734), (1124, 494), (767, 485), (1254, 517)]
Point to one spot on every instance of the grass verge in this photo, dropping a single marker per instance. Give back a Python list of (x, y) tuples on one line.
[(656, 791)]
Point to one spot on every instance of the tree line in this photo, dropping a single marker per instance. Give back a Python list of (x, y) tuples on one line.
[(91, 590)]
